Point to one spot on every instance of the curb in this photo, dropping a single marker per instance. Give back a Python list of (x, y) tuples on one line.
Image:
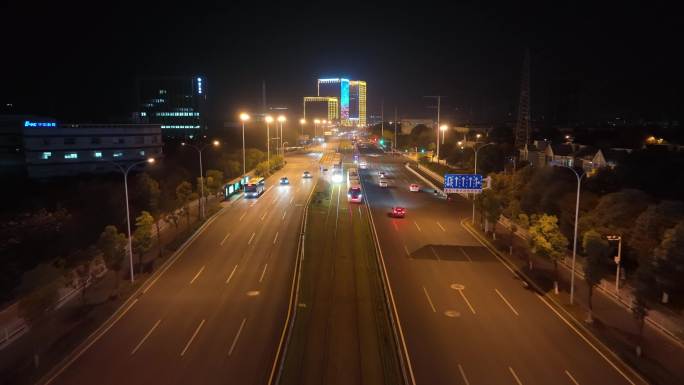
[(567, 317), (283, 344), (81, 348), (400, 342)]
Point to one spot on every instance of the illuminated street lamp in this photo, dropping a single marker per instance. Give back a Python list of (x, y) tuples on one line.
[(243, 117), (574, 242), (617, 259), (269, 120), (125, 171), (443, 128), (281, 120), (199, 150)]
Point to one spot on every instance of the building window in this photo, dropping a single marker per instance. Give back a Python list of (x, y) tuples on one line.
[(95, 140), (47, 141), (46, 155), (120, 140), (118, 154), (97, 154), (155, 139), (69, 140), (139, 139), (142, 152), (71, 155)]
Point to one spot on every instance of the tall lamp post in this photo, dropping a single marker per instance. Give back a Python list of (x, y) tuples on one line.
[(574, 242), (243, 117), (617, 238), (269, 120), (281, 120), (199, 150), (124, 171)]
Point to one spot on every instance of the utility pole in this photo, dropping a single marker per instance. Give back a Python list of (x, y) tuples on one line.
[(439, 106), (382, 119)]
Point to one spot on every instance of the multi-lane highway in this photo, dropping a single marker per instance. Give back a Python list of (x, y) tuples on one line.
[(465, 317), (216, 315)]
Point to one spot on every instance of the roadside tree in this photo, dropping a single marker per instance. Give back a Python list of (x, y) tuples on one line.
[(548, 242), (596, 249)]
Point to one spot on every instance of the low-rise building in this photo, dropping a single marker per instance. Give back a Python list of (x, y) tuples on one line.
[(43, 147)]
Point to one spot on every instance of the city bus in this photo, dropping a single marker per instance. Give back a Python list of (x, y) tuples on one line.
[(255, 187), (352, 177)]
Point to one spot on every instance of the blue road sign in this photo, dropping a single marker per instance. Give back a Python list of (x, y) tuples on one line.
[(462, 183)]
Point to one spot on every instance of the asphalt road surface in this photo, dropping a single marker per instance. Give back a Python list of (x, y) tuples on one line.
[(216, 315), (467, 319)]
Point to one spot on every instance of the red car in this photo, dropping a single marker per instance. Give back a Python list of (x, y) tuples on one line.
[(398, 212)]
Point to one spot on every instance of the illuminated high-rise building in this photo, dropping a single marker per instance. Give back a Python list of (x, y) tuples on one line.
[(357, 102), (350, 109), (175, 103)]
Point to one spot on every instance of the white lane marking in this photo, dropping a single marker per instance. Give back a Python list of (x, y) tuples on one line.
[(407, 251), (251, 238), (253, 203), (465, 379), (276, 238), (197, 275), (224, 239), (586, 340), (440, 226), (232, 346), (291, 199), (135, 349), (507, 303), (515, 376), (268, 189), (429, 300), (264, 216), (231, 274), (466, 301), (242, 216), (263, 273), (284, 213), (435, 253), (418, 226), (572, 378), (192, 338), (466, 254)]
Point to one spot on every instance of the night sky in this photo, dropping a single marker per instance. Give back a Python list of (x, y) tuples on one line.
[(589, 62)]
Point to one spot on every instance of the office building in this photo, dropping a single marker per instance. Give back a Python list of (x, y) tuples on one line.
[(357, 103), (42, 147), (177, 104), (349, 107)]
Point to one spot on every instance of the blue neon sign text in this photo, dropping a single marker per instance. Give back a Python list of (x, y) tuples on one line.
[(28, 123)]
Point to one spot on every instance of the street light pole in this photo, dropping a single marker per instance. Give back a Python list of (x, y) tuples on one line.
[(243, 117), (199, 151), (269, 120), (574, 243), (617, 260), (125, 171), (281, 120)]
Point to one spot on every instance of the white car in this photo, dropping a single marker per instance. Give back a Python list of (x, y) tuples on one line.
[(382, 183), (414, 187), (382, 174)]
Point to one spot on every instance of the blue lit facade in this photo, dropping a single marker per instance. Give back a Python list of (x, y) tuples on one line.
[(351, 95), (178, 104)]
